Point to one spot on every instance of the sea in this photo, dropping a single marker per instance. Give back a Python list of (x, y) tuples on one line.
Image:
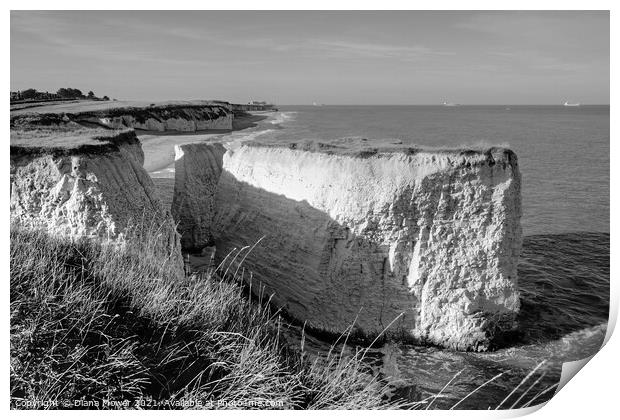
[(563, 271)]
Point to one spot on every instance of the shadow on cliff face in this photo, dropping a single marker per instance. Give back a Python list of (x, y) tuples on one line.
[(564, 283), (301, 259), (322, 272)]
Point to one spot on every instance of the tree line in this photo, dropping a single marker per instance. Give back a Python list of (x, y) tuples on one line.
[(62, 93)]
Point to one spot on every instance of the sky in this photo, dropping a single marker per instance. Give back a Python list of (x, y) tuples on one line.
[(330, 57)]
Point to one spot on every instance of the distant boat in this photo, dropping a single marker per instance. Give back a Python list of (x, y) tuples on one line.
[(315, 104), (450, 104), (569, 104)]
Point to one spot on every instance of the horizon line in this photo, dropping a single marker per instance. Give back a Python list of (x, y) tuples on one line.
[(438, 104)]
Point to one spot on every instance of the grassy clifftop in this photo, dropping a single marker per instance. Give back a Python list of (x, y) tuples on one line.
[(67, 138), (107, 106), (363, 148), (96, 323)]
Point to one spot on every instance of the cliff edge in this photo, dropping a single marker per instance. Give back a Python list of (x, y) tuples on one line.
[(79, 182), (167, 116)]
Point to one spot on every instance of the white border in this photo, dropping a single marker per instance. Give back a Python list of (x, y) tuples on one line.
[(591, 395)]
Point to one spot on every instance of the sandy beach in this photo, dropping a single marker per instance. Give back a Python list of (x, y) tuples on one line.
[(159, 149)]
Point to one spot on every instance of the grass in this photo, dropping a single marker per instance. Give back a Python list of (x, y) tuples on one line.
[(93, 323), (357, 147), (65, 137), (76, 107)]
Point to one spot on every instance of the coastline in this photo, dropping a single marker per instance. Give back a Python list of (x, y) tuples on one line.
[(159, 147)]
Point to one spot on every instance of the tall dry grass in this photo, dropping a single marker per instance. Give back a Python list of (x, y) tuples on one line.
[(99, 322)]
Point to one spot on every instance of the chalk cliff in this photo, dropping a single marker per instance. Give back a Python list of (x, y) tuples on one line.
[(156, 117), (180, 118), (365, 235), (92, 185), (197, 170)]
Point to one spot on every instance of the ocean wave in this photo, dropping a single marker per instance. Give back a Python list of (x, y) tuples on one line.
[(282, 117), (235, 140)]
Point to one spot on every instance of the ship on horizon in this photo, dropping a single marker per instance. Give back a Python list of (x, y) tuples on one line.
[(450, 104), (573, 104)]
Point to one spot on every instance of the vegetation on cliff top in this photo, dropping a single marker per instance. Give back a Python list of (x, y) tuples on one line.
[(92, 107), (31, 94), (67, 138), (96, 323), (363, 148)]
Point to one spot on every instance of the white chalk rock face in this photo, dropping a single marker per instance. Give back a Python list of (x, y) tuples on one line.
[(90, 191), (177, 118), (197, 170), (365, 237), (187, 117)]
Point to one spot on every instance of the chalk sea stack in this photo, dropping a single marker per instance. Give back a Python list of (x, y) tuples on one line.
[(360, 235)]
